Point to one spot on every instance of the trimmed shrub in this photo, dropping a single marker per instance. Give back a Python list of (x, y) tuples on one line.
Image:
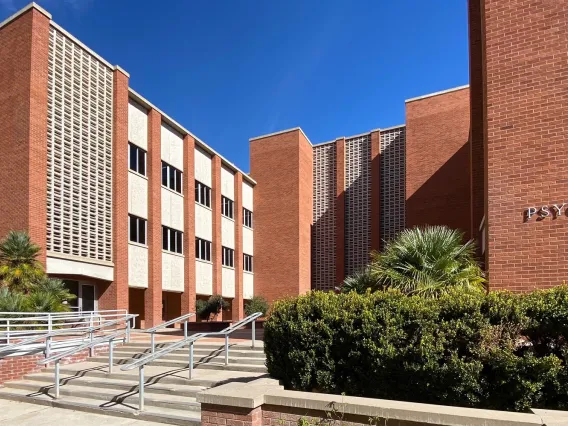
[(501, 351), (256, 304), (208, 310)]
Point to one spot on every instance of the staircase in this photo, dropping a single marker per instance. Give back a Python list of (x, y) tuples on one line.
[(169, 394)]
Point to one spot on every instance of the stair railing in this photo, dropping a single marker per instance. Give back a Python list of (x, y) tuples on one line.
[(110, 338), (184, 318), (141, 362)]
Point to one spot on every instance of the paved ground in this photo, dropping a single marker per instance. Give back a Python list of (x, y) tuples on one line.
[(24, 414)]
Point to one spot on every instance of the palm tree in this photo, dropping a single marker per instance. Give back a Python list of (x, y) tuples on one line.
[(428, 261), (359, 282), (11, 301), (19, 267)]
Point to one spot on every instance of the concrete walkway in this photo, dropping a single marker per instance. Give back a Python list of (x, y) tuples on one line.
[(24, 414)]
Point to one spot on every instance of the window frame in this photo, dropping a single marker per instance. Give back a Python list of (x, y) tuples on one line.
[(137, 150), (245, 211), (173, 177), (172, 240), (249, 267), (202, 194), (227, 257), (139, 221), (202, 249), (227, 207)]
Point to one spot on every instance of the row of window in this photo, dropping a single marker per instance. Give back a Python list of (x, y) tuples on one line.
[(172, 178), (172, 240)]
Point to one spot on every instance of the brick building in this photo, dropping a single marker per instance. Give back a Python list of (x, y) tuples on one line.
[(118, 194), (131, 209)]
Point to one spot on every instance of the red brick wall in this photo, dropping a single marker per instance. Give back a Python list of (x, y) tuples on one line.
[(527, 147), (477, 119), (153, 294), (437, 161), (375, 190), (238, 302), (340, 210), (215, 415), (282, 166), (16, 367), (24, 49), (115, 295), (188, 296)]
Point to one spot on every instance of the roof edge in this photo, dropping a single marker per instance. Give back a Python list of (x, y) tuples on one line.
[(178, 127), (443, 92), (20, 12), (280, 133)]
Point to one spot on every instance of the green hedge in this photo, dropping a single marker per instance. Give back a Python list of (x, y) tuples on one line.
[(501, 351)]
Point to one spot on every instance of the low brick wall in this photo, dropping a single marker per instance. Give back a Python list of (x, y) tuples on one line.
[(264, 402), (16, 367)]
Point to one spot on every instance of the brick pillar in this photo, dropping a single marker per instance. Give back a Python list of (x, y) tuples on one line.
[(153, 294), (340, 211), (375, 190), (238, 303), (115, 295), (24, 49), (216, 250), (188, 296)]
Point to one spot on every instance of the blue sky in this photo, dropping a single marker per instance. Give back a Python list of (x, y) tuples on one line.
[(234, 69)]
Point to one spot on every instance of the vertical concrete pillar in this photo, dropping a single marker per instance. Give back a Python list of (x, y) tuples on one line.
[(115, 295), (375, 190), (340, 210), (238, 303), (153, 294), (216, 249), (188, 296)]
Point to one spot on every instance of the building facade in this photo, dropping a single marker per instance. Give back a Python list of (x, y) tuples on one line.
[(131, 209)]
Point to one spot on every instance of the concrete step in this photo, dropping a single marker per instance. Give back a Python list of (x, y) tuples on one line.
[(243, 353), (163, 362), (129, 384), (184, 357), (259, 347), (158, 374), (108, 394), (100, 406)]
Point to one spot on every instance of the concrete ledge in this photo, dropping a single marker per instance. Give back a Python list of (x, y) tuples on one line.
[(269, 393)]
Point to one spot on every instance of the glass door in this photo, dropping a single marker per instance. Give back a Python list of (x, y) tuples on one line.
[(88, 300)]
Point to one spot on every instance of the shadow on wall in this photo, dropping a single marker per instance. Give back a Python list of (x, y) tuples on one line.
[(444, 199), (357, 244)]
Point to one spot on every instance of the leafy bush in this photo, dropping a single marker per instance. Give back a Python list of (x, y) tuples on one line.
[(256, 304), (19, 267), (499, 350), (208, 310), (47, 295)]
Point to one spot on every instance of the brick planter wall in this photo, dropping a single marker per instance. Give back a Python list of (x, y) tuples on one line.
[(16, 367), (214, 415)]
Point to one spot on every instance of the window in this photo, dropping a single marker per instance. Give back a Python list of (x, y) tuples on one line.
[(136, 229), (171, 177), (228, 257), (202, 194), (136, 159), (227, 207), (172, 240), (247, 218), (248, 263), (203, 249)]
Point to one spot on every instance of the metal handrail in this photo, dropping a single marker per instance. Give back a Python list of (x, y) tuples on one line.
[(90, 345), (86, 330), (141, 362), (153, 330)]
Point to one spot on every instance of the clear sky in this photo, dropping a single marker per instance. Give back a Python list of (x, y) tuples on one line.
[(229, 70)]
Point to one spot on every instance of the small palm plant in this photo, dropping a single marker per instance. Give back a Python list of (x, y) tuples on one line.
[(429, 262), (49, 295), (19, 267), (359, 282)]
